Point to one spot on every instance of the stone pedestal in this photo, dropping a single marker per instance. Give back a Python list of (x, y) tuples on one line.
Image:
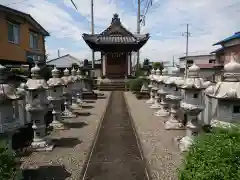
[(173, 121), (163, 111), (156, 104), (192, 129), (67, 95), (55, 97)]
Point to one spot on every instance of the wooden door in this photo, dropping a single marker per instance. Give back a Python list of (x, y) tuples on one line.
[(116, 65)]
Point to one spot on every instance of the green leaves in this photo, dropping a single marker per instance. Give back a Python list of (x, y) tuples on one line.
[(9, 169), (213, 156)]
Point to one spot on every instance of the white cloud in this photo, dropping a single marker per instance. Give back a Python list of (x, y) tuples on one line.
[(210, 21)]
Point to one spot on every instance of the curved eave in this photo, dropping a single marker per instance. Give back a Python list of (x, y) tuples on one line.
[(117, 47)]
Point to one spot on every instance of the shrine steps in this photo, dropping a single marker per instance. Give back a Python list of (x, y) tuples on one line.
[(111, 85)]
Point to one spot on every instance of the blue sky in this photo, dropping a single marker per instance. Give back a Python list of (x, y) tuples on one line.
[(209, 21)]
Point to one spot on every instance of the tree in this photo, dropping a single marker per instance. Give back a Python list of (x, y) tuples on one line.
[(75, 65), (146, 62), (158, 65)]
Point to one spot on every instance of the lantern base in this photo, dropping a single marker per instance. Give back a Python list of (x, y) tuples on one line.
[(42, 145), (75, 107), (68, 114), (185, 143), (150, 101), (155, 106), (173, 124), (162, 113), (57, 125)]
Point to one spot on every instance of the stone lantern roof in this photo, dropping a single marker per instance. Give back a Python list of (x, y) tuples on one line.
[(55, 80), (230, 87), (7, 92), (36, 82), (74, 75), (66, 77), (193, 81)]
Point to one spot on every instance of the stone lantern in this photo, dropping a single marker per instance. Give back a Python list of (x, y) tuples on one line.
[(156, 104), (55, 97), (23, 116), (74, 88), (150, 86), (67, 94), (226, 95), (174, 97), (163, 91), (8, 95), (144, 88), (80, 87), (38, 105), (191, 105)]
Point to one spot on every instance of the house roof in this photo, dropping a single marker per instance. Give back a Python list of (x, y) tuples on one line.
[(65, 61), (235, 36), (217, 50), (203, 55), (116, 33), (26, 16)]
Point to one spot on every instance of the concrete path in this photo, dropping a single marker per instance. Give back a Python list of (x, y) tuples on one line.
[(116, 155)]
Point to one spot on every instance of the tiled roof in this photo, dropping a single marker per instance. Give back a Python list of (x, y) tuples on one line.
[(217, 50), (116, 33), (235, 36), (114, 39)]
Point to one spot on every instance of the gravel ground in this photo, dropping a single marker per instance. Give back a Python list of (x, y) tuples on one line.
[(73, 145), (159, 149)]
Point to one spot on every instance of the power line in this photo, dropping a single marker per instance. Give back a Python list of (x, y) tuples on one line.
[(74, 4), (19, 2)]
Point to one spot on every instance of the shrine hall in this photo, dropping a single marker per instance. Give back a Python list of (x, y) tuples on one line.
[(116, 45)]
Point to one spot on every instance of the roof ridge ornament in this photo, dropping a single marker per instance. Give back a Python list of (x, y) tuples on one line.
[(116, 19)]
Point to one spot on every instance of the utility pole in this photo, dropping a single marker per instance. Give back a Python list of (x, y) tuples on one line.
[(92, 29), (187, 34), (173, 62), (138, 30)]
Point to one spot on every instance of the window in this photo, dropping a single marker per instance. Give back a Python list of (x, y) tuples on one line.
[(195, 95), (189, 61), (13, 33), (236, 109), (33, 40), (211, 61)]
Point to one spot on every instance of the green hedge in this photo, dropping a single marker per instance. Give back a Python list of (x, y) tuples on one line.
[(9, 167), (135, 84), (213, 156)]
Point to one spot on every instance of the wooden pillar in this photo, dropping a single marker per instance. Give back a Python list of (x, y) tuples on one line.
[(104, 59)]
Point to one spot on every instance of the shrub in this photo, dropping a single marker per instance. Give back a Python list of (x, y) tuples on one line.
[(135, 84), (9, 166), (213, 156)]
